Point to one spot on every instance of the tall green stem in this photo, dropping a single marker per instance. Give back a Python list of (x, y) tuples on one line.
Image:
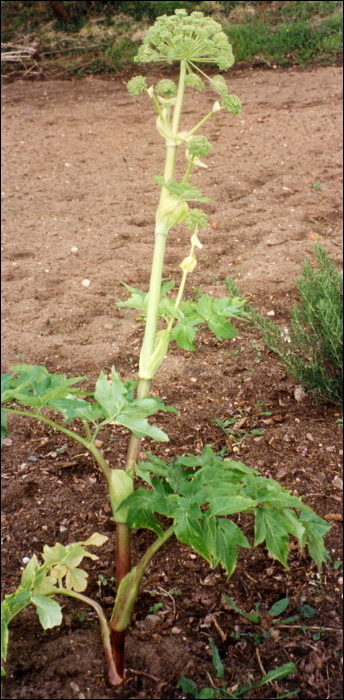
[(123, 534), (156, 273)]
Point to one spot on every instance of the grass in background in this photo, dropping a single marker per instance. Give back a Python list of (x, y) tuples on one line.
[(300, 41)]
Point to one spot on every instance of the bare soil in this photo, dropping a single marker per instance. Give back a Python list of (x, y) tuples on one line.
[(78, 164)]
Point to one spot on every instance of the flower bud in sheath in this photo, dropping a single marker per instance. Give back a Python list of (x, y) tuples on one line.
[(121, 485), (189, 263), (171, 211)]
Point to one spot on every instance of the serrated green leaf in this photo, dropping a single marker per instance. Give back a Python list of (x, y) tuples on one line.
[(229, 307), (185, 192), (5, 382), (307, 611), (184, 336), (271, 523), (140, 427), (187, 686), (49, 611), (222, 546), (187, 515), (110, 396), (239, 467), (58, 387), (279, 607), (4, 637), (166, 309), (227, 504), (29, 574), (77, 408), (28, 369), (4, 430), (138, 300), (141, 506), (217, 663), (76, 579), (15, 602), (316, 528), (296, 529), (205, 307), (54, 555), (221, 328), (46, 586)]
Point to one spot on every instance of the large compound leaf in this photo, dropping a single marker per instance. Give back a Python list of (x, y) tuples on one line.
[(197, 491)]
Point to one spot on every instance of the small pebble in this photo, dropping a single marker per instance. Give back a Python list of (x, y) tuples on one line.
[(7, 441), (337, 483), (74, 687), (152, 621), (85, 283), (175, 630)]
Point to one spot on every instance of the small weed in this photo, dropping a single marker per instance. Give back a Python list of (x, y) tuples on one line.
[(154, 608), (317, 185), (189, 687)]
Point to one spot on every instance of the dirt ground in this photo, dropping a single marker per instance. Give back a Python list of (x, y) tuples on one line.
[(78, 164)]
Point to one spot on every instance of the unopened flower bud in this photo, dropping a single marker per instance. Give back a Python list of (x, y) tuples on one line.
[(232, 103), (189, 263), (196, 217), (166, 87), (137, 85), (194, 81), (199, 146)]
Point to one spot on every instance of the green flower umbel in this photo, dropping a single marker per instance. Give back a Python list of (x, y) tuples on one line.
[(192, 38)]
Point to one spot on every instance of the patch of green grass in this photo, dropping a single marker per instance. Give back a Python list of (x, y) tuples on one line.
[(306, 9), (295, 42)]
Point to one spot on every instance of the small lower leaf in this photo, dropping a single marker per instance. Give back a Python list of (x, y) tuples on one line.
[(49, 611)]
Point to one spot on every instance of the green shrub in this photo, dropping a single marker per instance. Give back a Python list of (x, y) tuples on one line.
[(312, 349)]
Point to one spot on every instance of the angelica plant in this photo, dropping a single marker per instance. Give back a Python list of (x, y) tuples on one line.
[(196, 494)]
